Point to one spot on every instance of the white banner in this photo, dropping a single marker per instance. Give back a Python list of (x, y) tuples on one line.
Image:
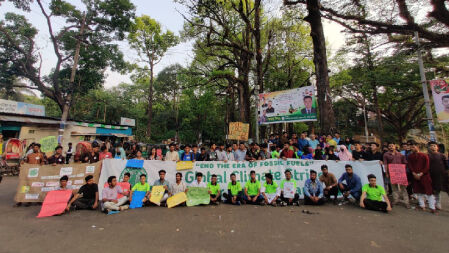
[(127, 122), (300, 171)]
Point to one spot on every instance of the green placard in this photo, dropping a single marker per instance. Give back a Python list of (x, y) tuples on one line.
[(197, 196)]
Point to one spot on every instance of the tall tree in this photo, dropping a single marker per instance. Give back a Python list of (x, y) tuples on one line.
[(151, 43), (326, 113), (85, 45)]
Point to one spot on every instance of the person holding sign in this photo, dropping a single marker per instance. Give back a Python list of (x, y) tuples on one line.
[(110, 199), (288, 190), (313, 190), (36, 157), (87, 196), (422, 183), (270, 190), (143, 186), (214, 190), (161, 181), (395, 157), (252, 190), (178, 186), (438, 168), (372, 195), (57, 158), (353, 185), (235, 193)]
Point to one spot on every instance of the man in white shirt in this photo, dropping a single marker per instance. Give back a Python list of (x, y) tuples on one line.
[(221, 152), (199, 181), (172, 155), (179, 186)]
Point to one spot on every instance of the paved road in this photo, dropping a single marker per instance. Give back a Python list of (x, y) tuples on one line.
[(221, 229)]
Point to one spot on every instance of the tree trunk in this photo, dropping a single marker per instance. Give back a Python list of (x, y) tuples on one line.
[(150, 102), (326, 113)]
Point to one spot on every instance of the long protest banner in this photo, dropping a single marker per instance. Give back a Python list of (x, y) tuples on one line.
[(36, 181), (288, 106), (300, 170)]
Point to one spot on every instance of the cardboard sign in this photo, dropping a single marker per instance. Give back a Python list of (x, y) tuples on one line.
[(238, 131), (136, 201), (157, 192), (176, 199), (398, 174), (45, 178), (48, 144), (184, 165), (55, 203), (289, 190), (198, 196)]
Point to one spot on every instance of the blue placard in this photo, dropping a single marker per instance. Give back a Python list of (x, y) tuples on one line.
[(136, 201), (134, 163)]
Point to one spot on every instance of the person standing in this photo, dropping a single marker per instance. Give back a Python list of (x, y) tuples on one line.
[(36, 157), (57, 158), (68, 153), (172, 154), (240, 154), (105, 154), (422, 183), (395, 157), (221, 152), (438, 168), (212, 154)]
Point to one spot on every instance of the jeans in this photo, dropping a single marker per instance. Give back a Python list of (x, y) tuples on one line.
[(212, 196), (355, 195), (287, 200), (115, 206), (258, 200), (228, 197), (83, 203), (375, 205), (308, 201)]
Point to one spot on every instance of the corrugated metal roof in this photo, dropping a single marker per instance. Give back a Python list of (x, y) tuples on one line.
[(25, 119)]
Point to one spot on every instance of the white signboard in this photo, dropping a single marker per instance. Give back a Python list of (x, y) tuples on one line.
[(127, 122)]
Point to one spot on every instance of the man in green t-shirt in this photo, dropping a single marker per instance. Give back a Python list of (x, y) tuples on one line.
[(270, 190), (143, 186), (289, 195), (252, 190), (214, 190), (235, 193), (276, 153), (372, 195)]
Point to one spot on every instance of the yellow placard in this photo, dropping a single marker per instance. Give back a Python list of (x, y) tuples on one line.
[(184, 165), (157, 192), (238, 131), (176, 199)]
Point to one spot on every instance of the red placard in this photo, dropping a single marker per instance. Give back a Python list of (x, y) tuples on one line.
[(55, 202), (398, 175)]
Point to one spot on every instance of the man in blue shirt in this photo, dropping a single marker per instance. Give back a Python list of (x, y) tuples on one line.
[(302, 142), (313, 190), (337, 138), (353, 184)]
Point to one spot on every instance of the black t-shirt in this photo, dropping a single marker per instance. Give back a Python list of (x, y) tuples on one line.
[(90, 158), (370, 156), (252, 154), (213, 156), (201, 157), (88, 191), (357, 155), (58, 160)]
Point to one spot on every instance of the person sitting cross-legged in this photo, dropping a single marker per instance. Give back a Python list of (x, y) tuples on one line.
[(289, 195), (110, 199), (270, 190), (87, 196), (313, 190), (235, 193), (252, 190), (214, 190), (372, 195)]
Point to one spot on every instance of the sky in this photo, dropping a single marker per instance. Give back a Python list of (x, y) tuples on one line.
[(165, 12)]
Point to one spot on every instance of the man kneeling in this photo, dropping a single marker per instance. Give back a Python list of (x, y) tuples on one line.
[(372, 194), (110, 199)]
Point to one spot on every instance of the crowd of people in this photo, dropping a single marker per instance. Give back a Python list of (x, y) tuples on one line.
[(427, 173)]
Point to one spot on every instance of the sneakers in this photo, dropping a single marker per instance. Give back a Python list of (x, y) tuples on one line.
[(283, 203), (124, 207)]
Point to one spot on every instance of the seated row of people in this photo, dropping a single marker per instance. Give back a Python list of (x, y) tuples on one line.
[(316, 191)]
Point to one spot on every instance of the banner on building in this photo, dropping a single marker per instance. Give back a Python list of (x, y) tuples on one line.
[(288, 106), (127, 122), (300, 171), (9, 106), (440, 92), (238, 131), (36, 181)]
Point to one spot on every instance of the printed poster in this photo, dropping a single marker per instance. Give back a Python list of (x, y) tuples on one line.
[(440, 92), (288, 106)]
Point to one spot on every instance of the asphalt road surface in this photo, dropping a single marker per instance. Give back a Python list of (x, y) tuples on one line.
[(221, 228)]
